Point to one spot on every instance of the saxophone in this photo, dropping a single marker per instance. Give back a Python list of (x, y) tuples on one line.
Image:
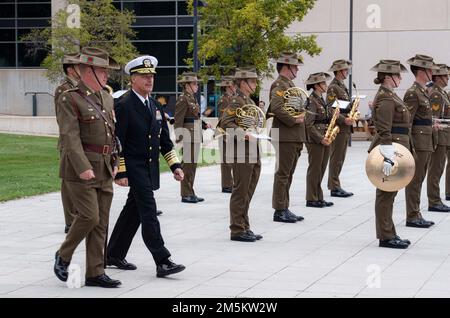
[(354, 113), (332, 129)]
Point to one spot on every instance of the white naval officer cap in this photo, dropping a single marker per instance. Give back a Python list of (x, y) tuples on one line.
[(143, 65)]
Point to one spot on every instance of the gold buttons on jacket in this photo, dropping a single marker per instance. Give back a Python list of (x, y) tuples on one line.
[(149, 136), (150, 160), (150, 148)]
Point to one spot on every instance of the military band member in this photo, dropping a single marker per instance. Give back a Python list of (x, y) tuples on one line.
[(417, 100), (70, 68), (143, 133), (88, 164), (288, 135), (188, 129), (245, 158), (228, 91), (338, 149), (440, 104), (447, 169), (318, 146), (392, 119)]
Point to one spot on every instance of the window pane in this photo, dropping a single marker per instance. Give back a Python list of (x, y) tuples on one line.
[(151, 8), (34, 11), (31, 23), (154, 21), (29, 57), (155, 33), (163, 51), (183, 52), (7, 11), (165, 80), (7, 55), (182, 8), (185, 33), (7, 35), (7, 23)]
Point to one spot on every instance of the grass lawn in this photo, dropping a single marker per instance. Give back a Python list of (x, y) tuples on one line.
[(29, 165)]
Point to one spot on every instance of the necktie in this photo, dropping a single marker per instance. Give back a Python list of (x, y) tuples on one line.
[(147, 105)]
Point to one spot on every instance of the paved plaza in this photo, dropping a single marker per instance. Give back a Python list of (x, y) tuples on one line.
[(332, 253)]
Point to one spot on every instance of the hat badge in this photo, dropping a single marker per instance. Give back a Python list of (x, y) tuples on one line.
[(147, 63)]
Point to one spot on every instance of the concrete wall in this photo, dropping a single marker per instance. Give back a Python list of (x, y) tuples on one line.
[(406, 27), (15, 83)]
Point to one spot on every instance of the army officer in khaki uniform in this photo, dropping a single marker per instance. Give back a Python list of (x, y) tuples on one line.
[(440, 104), (70, 67), (228, 91), (391, 118), (318, 146), (418, 102), (188, 130), (245, 157), (288, 135), (88, 164), (338, 90)]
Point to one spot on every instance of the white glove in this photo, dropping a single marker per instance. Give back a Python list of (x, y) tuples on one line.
[(388, 152)]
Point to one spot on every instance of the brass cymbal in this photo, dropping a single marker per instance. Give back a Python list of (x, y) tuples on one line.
[(403, 170)]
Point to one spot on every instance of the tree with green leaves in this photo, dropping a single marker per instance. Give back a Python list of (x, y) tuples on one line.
[(101, 25), (239, 33)]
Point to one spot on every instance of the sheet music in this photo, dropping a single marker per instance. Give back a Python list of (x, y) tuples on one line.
[(342, 104)]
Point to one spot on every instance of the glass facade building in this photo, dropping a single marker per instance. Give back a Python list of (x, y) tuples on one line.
[(164, 29)]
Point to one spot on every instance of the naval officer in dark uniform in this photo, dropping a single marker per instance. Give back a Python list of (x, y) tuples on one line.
[(144, 134)]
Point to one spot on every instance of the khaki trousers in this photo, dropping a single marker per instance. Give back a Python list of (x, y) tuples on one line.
[(288, 154), (92, 201), (246, 176), (318, 155), (189, 166), (435, 170), (413, 189), (338, 150), (384, 203)]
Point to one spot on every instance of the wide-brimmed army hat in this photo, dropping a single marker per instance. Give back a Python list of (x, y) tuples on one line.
[(389, 66), (188, 77), (226, 81), (442, 70), (289, 58), (142, 65), (422, 61), (339, 65), (245, 73), (98, 58), (71, 59), (317, 78)]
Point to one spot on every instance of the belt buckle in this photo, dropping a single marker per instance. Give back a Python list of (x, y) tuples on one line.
[(105, 150)]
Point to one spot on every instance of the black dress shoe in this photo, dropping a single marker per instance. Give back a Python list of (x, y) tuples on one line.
[(67, 228), (159, 212), (168, 268), (256, 236), (420, 222), (102, 280), (404, 240), (327, 203), (120, 264), (393, 243), (447, 198), (340, 193), (227, 190), (61, 268), (439, 208), (199, 199), (315, 204), (189, 199), (292, 215), (283, 216), (243, 237)]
